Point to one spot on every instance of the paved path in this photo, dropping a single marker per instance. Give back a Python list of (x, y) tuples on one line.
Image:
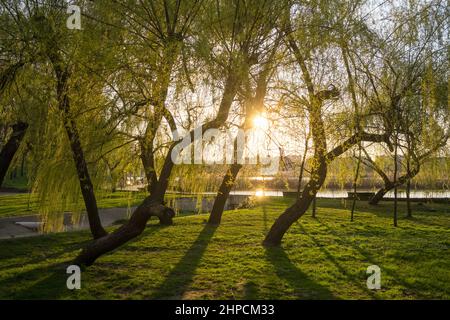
[(10, 229)]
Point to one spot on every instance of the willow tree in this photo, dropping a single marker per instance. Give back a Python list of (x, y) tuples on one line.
[(422, 132), (263, 47), (13, 56), (230, 55), (11, 146), (409, 89), (154, 39), (318, 16), (60, 57)]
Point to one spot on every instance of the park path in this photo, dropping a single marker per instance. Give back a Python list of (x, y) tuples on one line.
[(11, 227), (27, 226)]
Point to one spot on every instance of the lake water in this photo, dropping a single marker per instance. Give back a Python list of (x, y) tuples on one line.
[(424, 194), (330, 193)]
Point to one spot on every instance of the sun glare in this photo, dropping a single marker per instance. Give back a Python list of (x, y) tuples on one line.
[(259, 193), (260, 122)]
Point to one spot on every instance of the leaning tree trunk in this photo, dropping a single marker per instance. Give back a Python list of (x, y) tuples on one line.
[(379, 195), (318, 175), (389, 185), (319, 166), (320, 157), (153, 204), (87, 189), (148, 163), (298, 209), (11, 147), (253, 104), (222, 195), (136, 225)]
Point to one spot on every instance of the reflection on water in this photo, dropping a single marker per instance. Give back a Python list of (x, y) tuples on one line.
[(422, 194), (329, 193), (266, 193)]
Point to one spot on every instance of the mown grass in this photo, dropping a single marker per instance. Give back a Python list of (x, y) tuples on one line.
[(27, 204), (18, 183), (321, 258)]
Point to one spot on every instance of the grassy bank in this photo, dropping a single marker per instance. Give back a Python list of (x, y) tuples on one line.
[(322, 258)]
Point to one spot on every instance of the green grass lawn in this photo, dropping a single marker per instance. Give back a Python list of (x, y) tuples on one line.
[(18, 183), (323, 258), (23, 204), (26, 204)]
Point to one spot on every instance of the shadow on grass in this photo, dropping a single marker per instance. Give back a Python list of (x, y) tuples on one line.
[(251, 291), (47, 282), (421, 218), (264, 209), (350, 278), (372, 260), (178, 280), (304, 287), (47, 256), (46, 253)]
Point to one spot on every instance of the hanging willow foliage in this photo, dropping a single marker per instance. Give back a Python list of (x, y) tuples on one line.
[(56, 195), (55, 177)]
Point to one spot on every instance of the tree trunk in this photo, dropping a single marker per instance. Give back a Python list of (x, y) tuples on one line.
[(87, 189), (223, 193), (148, 163), (153, 204), (10, 148), (252, 104), (355, 185), (408, 199), (136, 225), (320, 159), (395, 179), (22, 165), (381, 193), (408, 172), (302, 167), (318, 175), (314, 203), (389, 185), (298, 209), (294, 212)]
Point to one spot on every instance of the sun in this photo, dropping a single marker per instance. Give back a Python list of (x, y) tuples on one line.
[(260, 122), (259, 193)]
